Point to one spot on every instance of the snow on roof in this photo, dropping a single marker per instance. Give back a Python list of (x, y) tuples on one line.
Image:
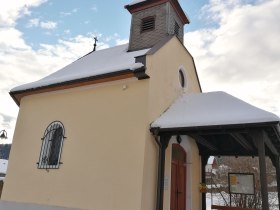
[(208, 109), (3, 166), (136, 2), (96, 63)]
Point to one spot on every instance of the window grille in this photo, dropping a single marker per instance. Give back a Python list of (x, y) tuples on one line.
[(148, 24), (52, 146), (176, 28)]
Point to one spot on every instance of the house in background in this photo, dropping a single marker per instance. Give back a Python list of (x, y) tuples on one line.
[(111, 130), (3, 168), (210, 169), (211, 164), (3, 171)]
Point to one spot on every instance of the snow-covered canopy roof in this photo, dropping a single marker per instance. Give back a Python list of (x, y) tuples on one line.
[(211, 109), (93, 64)]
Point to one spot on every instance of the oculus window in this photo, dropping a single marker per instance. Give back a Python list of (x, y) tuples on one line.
[(182, 78), (52, 143)]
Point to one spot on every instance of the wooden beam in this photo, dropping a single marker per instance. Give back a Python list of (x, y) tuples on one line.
[(276, 163), (204, 142), (163, 144), (270, 145), (204, 160), (277, 127), (242, 141), (258, 136)]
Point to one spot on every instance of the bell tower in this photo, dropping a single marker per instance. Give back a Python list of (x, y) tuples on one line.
[(152, 20)]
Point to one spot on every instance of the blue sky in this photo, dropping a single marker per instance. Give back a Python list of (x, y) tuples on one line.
[(235, 44), (69, 18)]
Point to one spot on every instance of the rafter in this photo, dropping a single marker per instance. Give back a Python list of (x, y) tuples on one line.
[(277, 131), (270, 145), (242, 141), (201, 140)]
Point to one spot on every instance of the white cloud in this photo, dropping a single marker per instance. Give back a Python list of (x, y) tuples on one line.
[(121, 41), (63, 14), (241, 55), (48, 25), (35, 22), (19, 64), (10, 39), (11, 10), (75, 10), (94, 8)]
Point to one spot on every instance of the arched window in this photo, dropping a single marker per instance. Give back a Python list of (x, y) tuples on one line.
[(52, 146)]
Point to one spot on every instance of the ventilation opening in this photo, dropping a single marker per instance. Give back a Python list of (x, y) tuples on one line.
[(148, 24), (176, 28)]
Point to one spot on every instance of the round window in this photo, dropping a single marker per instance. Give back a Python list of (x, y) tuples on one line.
[(182, 78)]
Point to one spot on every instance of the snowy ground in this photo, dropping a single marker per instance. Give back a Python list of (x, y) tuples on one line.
[(217, 199)]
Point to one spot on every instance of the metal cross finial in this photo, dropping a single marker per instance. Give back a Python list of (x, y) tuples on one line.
[(94, 46)]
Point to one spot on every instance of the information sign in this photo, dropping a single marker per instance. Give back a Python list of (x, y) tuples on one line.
[(241, 183)]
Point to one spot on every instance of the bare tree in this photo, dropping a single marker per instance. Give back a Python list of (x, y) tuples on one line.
[(219, 181)]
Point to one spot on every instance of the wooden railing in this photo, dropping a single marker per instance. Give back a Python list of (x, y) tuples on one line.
[(230, 208)]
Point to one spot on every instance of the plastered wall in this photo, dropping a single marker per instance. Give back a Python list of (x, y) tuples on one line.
[(109, 156), (102, 155)]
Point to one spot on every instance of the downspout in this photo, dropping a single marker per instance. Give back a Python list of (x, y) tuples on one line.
[(159, 196), (162, 142)]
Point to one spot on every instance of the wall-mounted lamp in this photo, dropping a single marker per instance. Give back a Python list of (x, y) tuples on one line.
[(3, 134)]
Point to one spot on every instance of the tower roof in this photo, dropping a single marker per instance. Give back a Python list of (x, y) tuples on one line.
[(138, 5)]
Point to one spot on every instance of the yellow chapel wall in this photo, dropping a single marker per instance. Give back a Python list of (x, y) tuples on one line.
[(164, 88), (121, 170), (102, 155)]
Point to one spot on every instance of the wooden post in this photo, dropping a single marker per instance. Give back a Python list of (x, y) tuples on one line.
[(276, 163), (258, 136), (163, 143), (204, 160)]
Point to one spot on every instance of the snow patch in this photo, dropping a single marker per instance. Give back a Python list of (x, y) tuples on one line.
[(208, 109), (93, 64)]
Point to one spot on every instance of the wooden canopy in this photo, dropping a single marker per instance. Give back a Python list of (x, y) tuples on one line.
[(254, 132)]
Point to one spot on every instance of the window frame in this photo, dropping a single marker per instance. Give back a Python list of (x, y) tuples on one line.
[(54, 131)]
